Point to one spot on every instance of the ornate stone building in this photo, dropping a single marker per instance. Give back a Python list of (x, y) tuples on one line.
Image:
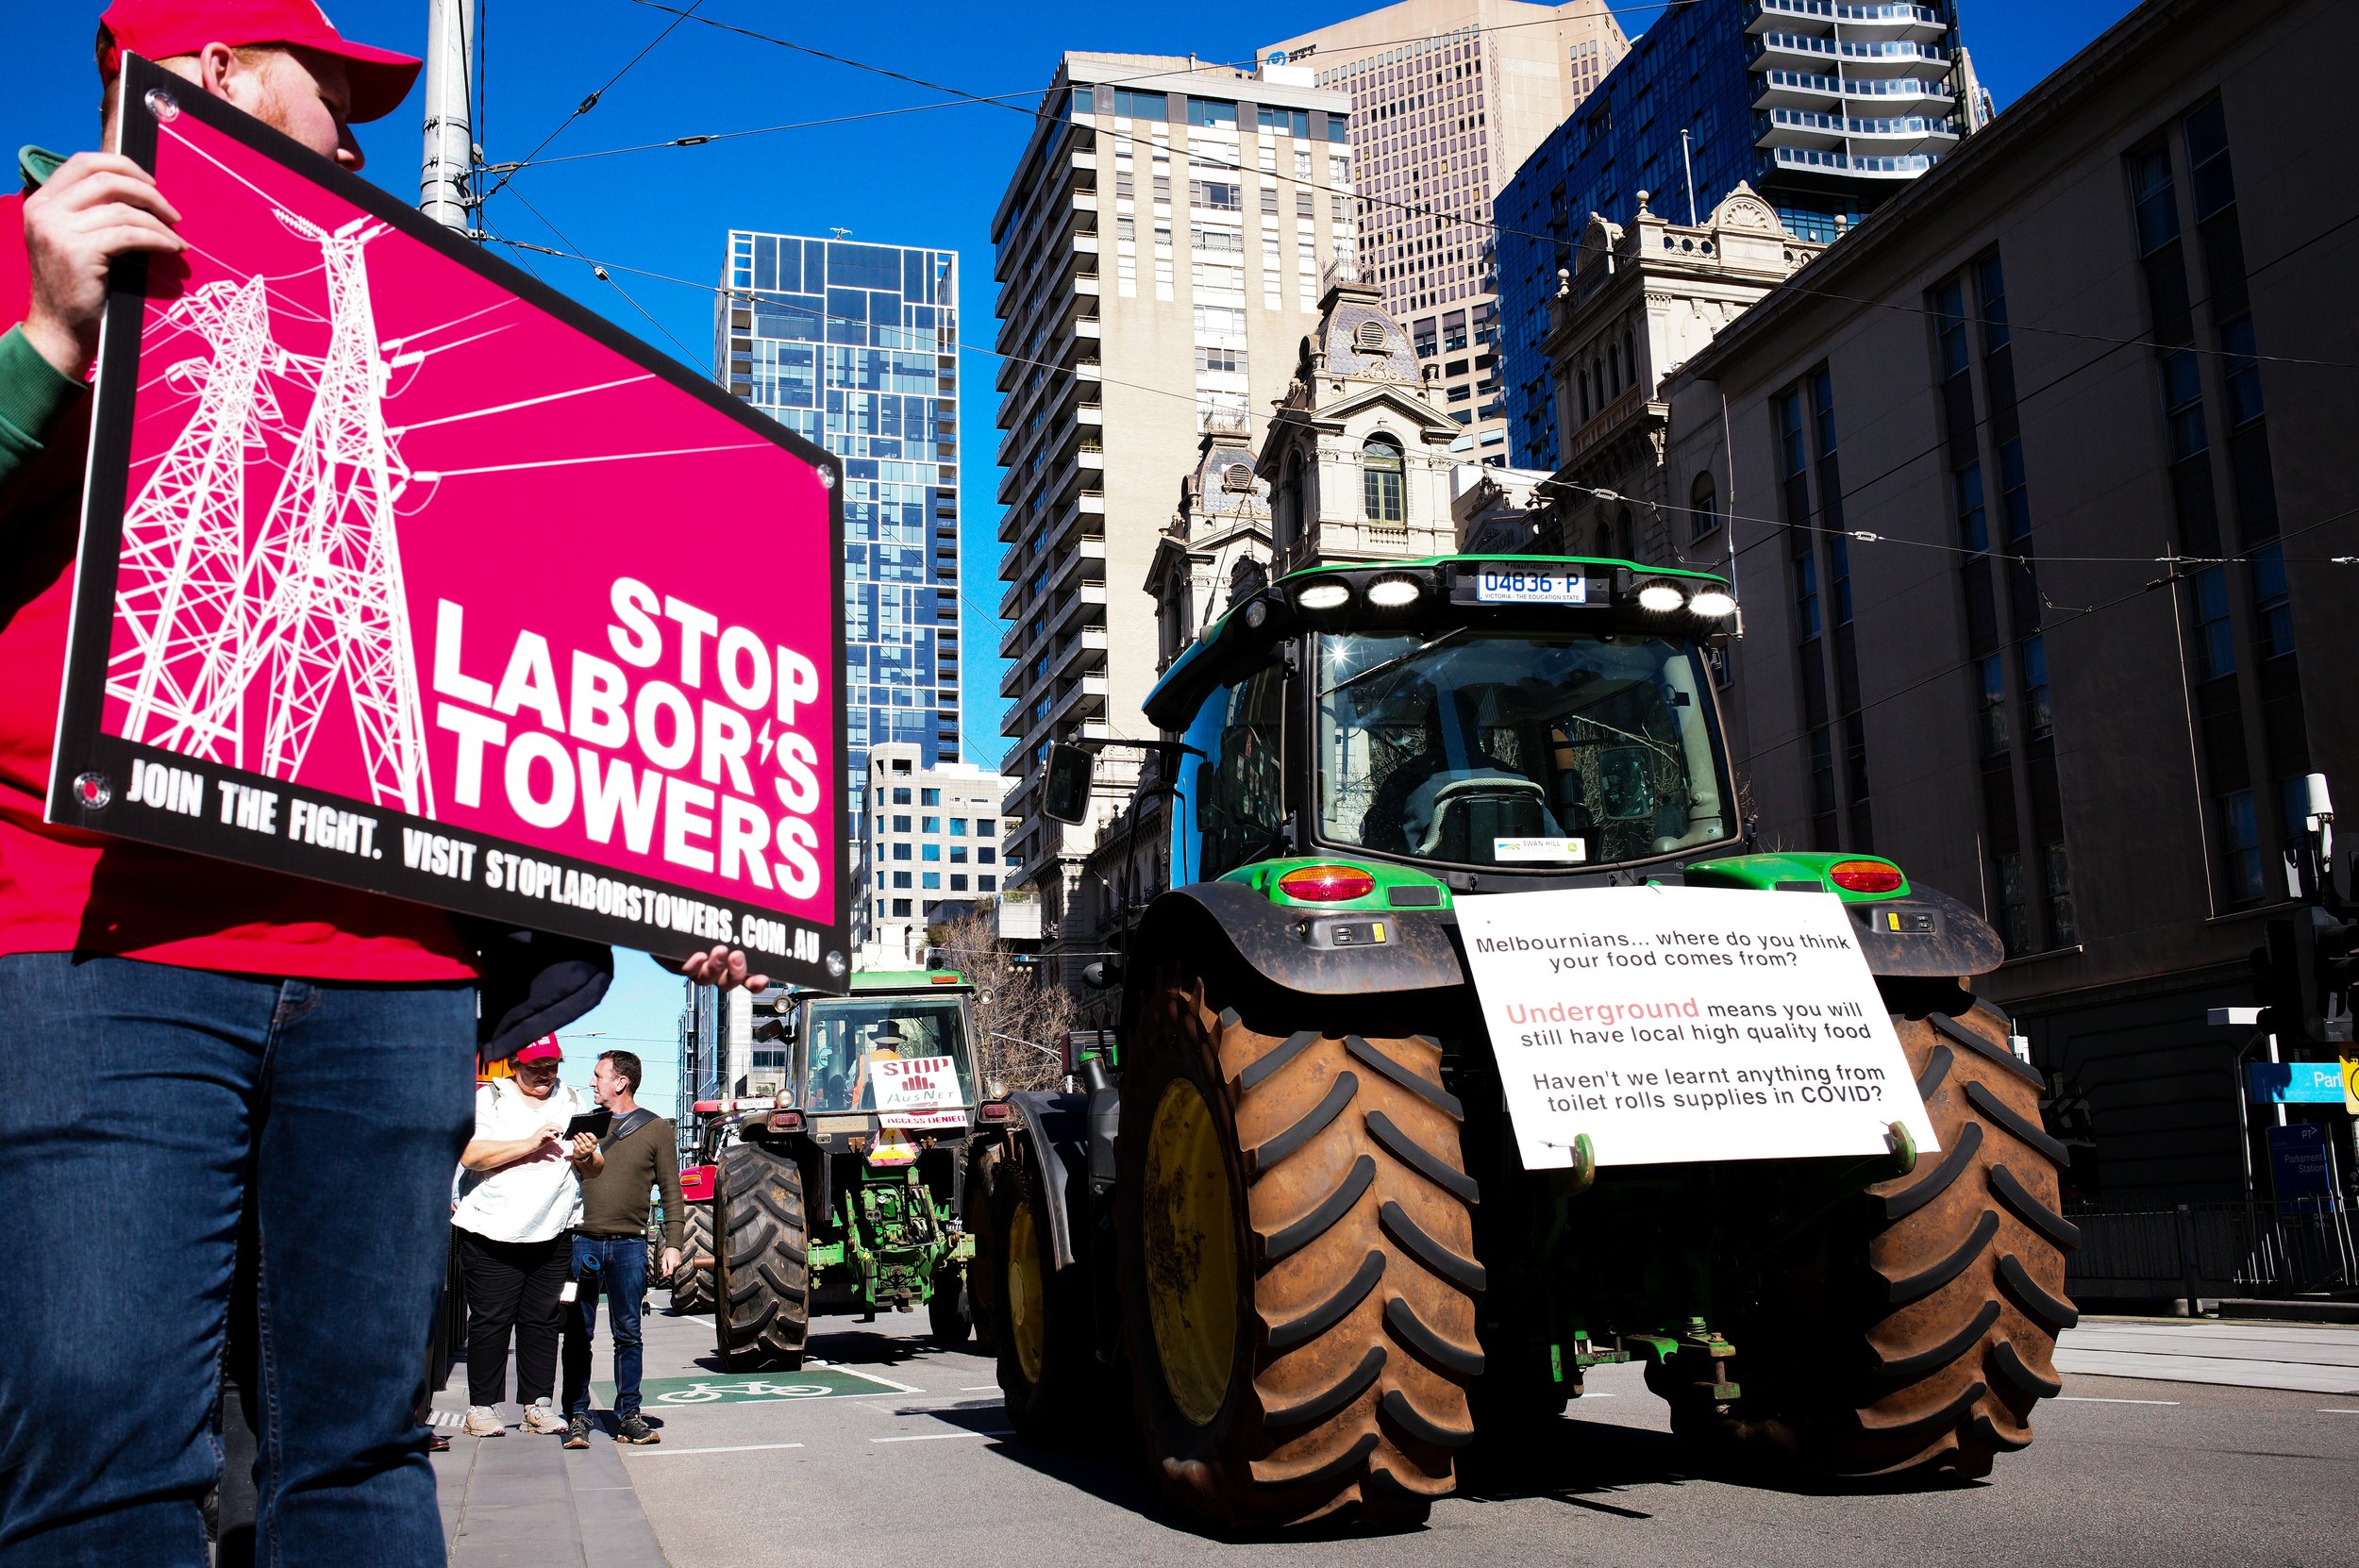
[(1219, 538), (1640, 302), (1358, 454)]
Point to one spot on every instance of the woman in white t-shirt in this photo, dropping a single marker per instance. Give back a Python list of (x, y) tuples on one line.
[(519, 1194)]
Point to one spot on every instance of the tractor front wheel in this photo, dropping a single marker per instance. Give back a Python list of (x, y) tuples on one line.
[(1046, 1371), (691, 1283), (946, 1311), (1930, 1356), (1298, 1266), (761, 1272)]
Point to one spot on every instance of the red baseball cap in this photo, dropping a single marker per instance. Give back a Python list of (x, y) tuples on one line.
[(159, 29), (544, 1049)]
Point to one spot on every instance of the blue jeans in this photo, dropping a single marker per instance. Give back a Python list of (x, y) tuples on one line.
[(145, 1113), (618, 1266)]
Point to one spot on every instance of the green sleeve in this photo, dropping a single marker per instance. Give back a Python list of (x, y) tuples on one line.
[(32, 396)]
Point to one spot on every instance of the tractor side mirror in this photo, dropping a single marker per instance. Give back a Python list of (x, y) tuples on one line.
[(1065, 782)]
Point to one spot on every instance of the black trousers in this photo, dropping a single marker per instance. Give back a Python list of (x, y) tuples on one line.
[(513, 1286)]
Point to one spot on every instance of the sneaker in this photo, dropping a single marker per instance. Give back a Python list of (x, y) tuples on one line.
[(577, 1431), (634, 1429), (483, 1421), (540, 1416)]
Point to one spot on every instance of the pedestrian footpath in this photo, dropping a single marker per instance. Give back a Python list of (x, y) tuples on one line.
[(2238, 1353), (524, 1501)]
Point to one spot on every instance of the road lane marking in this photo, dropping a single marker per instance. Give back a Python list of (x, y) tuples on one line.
[(2338, 1409), (938, 1437), (733, 1448), (978, 1387), (2095, 1399)]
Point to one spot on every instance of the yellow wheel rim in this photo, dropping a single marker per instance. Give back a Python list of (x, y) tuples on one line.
[(1027, 1320), (1190, 1253)]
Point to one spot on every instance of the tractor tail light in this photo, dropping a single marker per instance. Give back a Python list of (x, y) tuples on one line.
[(785, 1121), (1865, 877), (993, 1111), (1327, 884)]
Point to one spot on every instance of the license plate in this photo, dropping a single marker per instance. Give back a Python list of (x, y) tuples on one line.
[(1529, 586)]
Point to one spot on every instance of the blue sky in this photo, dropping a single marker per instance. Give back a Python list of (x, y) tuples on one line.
[(931, 177)]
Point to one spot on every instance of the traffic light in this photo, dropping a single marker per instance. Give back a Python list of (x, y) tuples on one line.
[(2302, 979)]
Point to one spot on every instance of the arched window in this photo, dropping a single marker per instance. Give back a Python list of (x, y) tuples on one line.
[(1630, 356), (1624, 536), (1703, 507), (1614, 370), (1381, 472), (1585, 395)]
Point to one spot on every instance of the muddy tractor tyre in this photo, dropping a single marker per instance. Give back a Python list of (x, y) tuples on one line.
[(1297, 1269), (692, 1285), (1048, 1371), (760, 1274), (1932, 1361)]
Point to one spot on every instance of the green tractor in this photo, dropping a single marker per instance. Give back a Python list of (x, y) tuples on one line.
[(841, 1194), (1289, 1210)]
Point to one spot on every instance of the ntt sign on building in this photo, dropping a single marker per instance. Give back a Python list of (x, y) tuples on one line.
[(398, 571)]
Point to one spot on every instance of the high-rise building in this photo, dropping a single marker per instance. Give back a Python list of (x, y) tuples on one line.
[(1115, 355), (854, 346), (933, 851), (1448, 98), (1824, 109)]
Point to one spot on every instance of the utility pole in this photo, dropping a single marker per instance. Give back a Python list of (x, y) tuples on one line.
[(445, 191)]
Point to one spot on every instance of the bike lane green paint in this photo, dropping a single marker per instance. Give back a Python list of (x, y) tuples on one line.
[(674, 1393)]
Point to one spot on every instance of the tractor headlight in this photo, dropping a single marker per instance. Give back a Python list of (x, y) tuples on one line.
[(1393, 592), (1324, 595), (1712, 604), (1661, 597)]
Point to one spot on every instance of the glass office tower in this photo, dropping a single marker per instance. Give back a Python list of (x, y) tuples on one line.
[(855, 347), (1824, 107)]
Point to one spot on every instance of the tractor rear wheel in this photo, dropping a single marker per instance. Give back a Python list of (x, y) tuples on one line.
[(760, 1274), (1296, 1261), (691, 1284), (1931, 1358)]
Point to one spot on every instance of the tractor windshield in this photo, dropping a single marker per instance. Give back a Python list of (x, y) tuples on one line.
[(857, 1051), (1529, 752)]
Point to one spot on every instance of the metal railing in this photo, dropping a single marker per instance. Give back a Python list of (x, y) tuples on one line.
[(2248, 1248)]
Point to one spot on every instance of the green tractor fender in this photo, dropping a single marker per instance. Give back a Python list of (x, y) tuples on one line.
[(1293, 946)]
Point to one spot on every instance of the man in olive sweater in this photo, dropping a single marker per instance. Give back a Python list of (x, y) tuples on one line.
[(610, 1246)]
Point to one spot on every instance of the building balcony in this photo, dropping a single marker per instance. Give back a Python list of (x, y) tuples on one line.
[(1907, 133), (1891, 20), (1866, 165), (1865, 58), (1774, 90)]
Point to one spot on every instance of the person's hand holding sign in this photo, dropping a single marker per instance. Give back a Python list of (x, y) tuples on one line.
[(96, 207), (723, 967)]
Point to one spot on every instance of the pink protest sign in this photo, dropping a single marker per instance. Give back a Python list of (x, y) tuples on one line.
[(400, 571)]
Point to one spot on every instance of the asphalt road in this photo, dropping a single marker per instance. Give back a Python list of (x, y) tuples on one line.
[(899, 1452)]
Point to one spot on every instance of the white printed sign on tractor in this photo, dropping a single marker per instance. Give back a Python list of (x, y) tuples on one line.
[(917, 1084), (1674, 1024)]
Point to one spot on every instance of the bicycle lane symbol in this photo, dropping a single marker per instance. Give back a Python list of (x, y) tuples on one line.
[(705, 1394)]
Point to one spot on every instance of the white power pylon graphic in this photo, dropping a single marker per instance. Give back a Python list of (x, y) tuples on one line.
[(316, 598)]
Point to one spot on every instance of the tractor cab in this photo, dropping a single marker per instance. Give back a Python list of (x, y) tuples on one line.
[(887, 1050), (1490, 723)]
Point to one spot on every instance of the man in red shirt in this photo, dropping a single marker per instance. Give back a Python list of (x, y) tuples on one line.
[(198, 1049)]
